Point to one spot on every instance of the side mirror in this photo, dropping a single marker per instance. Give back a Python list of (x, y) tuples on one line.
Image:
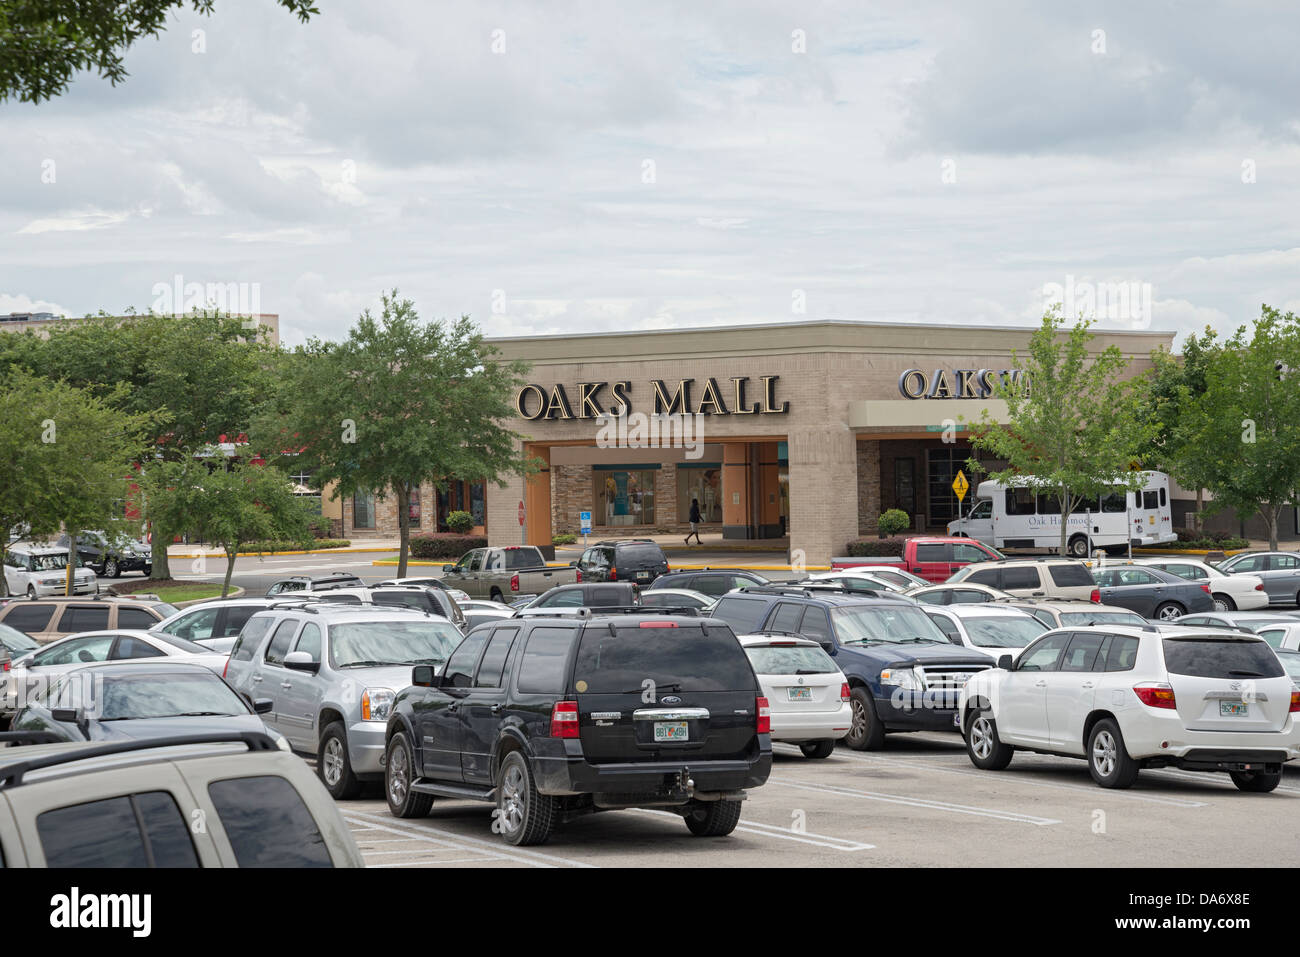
[(448, 568), (1006, 662), (425, 676), (263, 706), (301, 661), (573, 564), (68, 715), (828, 647)]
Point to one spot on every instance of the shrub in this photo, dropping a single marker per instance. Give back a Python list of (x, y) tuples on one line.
[(893, 521), (445, 545), (320, 526), (460, 522), (564, 538), (876, 547), (282, 546)]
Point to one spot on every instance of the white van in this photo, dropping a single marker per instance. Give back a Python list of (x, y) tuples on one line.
[(1022, 516), (40, 570)]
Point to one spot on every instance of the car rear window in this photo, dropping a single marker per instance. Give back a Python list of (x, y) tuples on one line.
[(742, 614), (1070, 576), (29, 618), (796, 660), (679, 658), (1221, 658), (640, 555), (516, 558), (267, 823)]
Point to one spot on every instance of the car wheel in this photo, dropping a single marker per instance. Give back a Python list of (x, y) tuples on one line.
[(866, 732), (333, 764), (1224, 603), (101, 569), (148, 570), (496, 595), (523, 815), (985, 748), (1168, 611), (712, 818), (1108, 760), (110, 568), (1256, 782), (1078, 546), (818, 749), (398, 775), (31, 591)]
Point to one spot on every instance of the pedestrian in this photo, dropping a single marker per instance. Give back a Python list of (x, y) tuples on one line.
[(695, 522)]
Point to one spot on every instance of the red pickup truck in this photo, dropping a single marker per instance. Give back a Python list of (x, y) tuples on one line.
[(933, 558)]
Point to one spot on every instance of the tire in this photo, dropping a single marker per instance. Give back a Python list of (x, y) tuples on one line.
[(867, 733), (110, 568), (523, 815), (818, 749), (1224, 603), (398, 775), (712, 818), (333, 764), (1078, 546), (1256, 782), (1168, 611), (148, 570), (983, 746), (495, 595), (1108, 760), (101, 569), (31, 592)]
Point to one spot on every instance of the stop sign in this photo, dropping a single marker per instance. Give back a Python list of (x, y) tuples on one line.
[(521, 513)]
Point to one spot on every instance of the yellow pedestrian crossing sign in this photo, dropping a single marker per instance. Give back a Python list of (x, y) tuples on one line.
[(960, 485)]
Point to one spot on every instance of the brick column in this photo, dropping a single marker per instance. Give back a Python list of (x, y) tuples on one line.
[(823, 508), (666, 498), (868, 486)]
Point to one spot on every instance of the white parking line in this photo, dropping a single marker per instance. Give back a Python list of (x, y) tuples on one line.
[(451, 839), (771, 830), (1013, 816), (451, 860)]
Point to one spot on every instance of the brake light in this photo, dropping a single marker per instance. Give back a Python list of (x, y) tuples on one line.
[(6, 665), (578, 580), (1155, 695), (1206, 589), (1095, 597), (1295, 699), (224, 669), (613, 573), (514, 582), (564, 719), (657, 624), (1259, 587), (764, 716), (844, 692)]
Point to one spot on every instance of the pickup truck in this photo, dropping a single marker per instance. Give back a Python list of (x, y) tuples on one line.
[(933, 558), (503, 574)]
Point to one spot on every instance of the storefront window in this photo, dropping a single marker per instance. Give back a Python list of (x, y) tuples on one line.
[(624, 497), (414, 505), (476, 500), (704, 485), (363, 510)]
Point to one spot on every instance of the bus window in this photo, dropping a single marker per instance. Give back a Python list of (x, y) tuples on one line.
[(1020, 501), (1163, 498), (1049, 505), (1114, 502), (1150, 500)]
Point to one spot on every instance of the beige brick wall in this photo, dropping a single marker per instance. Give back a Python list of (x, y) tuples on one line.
[(571, 493), (868, 486)]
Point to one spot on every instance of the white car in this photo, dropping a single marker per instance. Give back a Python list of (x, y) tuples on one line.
[(459, 596), (986, 627), (214, 624), (1125, 698), (1284, 637), (966, 593), (37, 668), (678, 598), (1230, 592), (807, 694), (38, 571), (861, 581), (890, 573)]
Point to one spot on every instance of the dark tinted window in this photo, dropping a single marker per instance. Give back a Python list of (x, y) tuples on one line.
[(967, 596), (1114, 502), (1070, 575), (685, 658), (494, 659), (135, 618), (604, 595), (713, 585), (29, 617), (985, 576), (460, 666), (168, 832), (568, 598), (1122, 653), (1025, 576), (107, 833), (403, 599), (1220, 658), (267, 823), (249, 638), (787, 617), (128, 647), (639, 555), (542, 669), (236, 618), (814, 624), (83, 618), (933, 553), (742, 614), (1081, 655), (1150, 500), (279, 645)]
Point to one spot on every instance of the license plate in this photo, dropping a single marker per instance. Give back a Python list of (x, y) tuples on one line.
[(671, 731), (1234, 709), (799, 694), (642, 574)]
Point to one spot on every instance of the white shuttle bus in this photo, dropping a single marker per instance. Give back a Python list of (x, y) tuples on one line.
[(1015, 516)]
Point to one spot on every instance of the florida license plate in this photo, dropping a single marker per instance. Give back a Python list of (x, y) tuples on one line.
[(642, 574), (672, 731), (799, 694), (1234, 709)]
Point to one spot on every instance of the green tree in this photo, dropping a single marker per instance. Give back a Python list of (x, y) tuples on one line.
[(1071, 427), (398, 403), (1246, 424), (44, 42)]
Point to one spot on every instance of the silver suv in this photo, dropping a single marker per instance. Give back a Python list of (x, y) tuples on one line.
[(332, 672)]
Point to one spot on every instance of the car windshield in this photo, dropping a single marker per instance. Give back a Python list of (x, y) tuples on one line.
[(362, 644), (1101, 618), (182, 643), (15, 640), (165, 609), (790, 660), (860, 625), (1003, 631), (170, 695), (49, 563)]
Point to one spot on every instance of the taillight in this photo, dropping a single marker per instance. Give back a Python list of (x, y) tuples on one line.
[(1295, 698), (844, 692), (1259, 587), (514, 582), (1155, 695), (1095, 597), (579, 578), (764, 716), (564, 719), (224, 668), (657, 624), (6, 665), (1206, 589), (613, 573)]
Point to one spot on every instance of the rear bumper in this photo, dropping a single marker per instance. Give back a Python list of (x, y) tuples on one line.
[(812, 725), (660, 780), (1235, 759), (1144, 739)]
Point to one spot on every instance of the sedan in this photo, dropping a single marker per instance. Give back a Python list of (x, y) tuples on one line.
[(1281, 637), (1150, 592), (860, 581), (115, 702), (965, 593), (458, 596), (14, 644), (889, 573), (1229, 592), (986, 627), (807, 694), (1279, 571), (677, 598)]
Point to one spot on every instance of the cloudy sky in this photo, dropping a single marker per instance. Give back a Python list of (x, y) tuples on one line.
[(587, 166)]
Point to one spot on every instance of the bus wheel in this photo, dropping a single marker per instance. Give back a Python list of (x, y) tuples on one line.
[(1079, 546)]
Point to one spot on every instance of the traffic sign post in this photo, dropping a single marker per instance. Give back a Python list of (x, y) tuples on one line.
[(585, 519)]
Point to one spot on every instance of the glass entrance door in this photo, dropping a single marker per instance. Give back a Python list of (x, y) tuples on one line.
[(942, 466)]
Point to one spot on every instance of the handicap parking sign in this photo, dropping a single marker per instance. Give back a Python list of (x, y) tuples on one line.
[(585, 519)]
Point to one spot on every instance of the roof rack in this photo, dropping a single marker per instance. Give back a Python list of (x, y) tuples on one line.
[(644, 610), (13, 774)]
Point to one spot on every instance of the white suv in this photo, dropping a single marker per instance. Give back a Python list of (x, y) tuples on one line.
[(1126, 698), (40, 570)]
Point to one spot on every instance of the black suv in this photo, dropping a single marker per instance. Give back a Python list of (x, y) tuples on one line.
[(586, 595), (712, 582), (110, 559), (553, 718), (626, 560), (903, 672)]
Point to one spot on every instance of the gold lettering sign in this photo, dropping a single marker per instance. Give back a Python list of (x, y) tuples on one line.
[(535, 402)]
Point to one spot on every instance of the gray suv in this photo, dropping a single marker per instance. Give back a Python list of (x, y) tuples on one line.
[(332, 672)]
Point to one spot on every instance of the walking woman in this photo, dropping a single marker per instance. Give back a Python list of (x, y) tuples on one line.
[(695, 522)]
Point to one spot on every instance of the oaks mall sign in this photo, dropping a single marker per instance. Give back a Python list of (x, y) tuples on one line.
[(959, 383), (593, 400)]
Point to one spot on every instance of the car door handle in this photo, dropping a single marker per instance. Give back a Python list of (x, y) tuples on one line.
[(1040, 684), (286, 684), (257, 677), (497, 709), (453, 707), (1087, 684)]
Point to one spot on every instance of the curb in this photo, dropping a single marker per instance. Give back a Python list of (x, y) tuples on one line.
[(234, 593), (311, 551), (695, 567), (1188, 551)]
